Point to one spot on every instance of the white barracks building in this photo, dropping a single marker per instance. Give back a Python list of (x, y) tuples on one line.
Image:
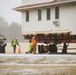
[(48, 15)]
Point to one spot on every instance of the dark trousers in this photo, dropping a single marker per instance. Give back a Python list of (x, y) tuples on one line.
[(64, 50), (34, 50), (14, 48)]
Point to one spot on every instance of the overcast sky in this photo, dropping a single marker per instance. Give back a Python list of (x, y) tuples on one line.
[(7, 13)]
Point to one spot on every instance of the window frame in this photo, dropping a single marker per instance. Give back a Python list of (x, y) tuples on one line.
[(39, 15), (27, 16), (48, 13), (56, 12)]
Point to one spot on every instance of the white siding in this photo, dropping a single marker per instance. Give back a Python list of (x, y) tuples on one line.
[(34, 24), (68, 18)]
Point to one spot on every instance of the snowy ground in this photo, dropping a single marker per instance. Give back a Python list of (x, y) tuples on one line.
[(37, 64)]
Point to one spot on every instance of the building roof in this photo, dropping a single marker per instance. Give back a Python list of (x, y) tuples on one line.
[(30, 6)]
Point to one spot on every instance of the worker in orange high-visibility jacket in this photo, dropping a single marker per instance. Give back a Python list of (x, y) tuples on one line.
[(33, 42)]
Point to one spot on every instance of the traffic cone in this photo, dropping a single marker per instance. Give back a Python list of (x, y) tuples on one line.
[(19, 50)]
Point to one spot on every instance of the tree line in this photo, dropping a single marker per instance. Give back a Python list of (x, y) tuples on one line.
[(12, 31)]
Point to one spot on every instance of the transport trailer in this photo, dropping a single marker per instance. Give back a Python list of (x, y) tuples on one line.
[(49, 37), (51, 40)]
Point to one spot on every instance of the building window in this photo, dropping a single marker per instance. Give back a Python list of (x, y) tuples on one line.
[(48, 14), (39, 14), (27, 16), (56, 12)]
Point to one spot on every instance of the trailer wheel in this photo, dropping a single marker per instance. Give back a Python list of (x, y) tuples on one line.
[(40, 48)]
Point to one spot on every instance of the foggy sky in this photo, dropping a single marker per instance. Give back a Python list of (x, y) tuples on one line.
[(7, 13)]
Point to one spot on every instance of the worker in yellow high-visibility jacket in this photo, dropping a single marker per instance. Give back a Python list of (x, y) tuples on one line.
[(14, 43), (30, 47)]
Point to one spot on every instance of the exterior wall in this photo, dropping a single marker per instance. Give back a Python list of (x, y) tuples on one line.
[(67, 20), (34, 1), (34, 24)]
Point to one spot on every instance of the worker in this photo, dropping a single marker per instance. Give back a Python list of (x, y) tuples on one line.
[(14, 43), (33, 42), (64, 50), (30, 48)]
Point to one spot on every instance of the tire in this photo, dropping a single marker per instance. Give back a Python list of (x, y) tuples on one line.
[(40, 48)]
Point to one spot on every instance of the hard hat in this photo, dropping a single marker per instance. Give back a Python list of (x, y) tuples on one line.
[(16, 38), (33, 37)]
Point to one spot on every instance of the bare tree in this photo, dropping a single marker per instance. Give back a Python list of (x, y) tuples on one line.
[(15, 31), (4, 27), (10, 31)]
